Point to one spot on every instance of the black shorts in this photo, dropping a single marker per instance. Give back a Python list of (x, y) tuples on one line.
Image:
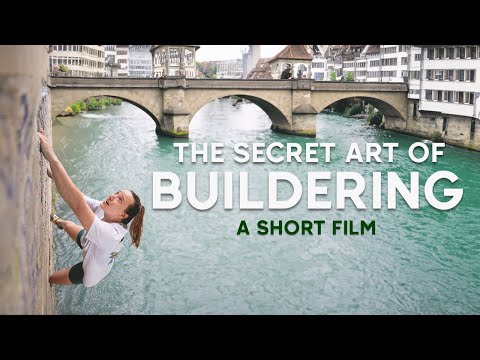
[(75, 275)]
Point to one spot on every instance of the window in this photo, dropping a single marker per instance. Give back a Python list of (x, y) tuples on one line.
[(439, 95), (450, 75), (461, 75), (188, 57), (389, 61), (418, 57), (429, 75), (441, 53), (460, 97), (455, 96), (439, 75), (445, 96), (450, 96), (472, 52), (451, 53), (415, 75), (389, 50), (471, 99), (462, 52), (404, 61), (428, 94), (431, 54)]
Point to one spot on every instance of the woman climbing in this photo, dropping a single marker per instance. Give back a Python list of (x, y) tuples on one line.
[(104, 224)]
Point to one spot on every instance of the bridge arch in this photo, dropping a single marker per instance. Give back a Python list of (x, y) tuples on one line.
[(280, 117), (387, 104), (64, 99)]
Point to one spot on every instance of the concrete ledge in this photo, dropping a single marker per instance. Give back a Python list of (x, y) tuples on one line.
[(358, 86), (102, 82)]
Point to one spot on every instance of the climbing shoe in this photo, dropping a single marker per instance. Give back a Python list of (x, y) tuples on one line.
[(54, 218)]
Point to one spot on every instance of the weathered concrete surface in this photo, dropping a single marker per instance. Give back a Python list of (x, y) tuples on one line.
[(25, 190), (424, 124)]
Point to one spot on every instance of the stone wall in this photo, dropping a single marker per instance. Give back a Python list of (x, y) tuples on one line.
[(423, 124), (25, 190)]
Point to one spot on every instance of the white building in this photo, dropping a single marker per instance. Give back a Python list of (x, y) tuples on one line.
[(449, 81), (110, 53), (361, 66), (372, 57), (122, 59), (319, 63), (393, 62), (167, 60), (140, 61), (230, 69), (80, 60), (110, 60), (414, 71)]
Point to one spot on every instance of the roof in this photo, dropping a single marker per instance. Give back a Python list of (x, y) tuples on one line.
[(373, 49), (153, 47), (263, 70), (297, 52)]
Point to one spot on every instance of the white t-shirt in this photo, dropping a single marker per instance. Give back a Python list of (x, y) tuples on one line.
[(100, 245)]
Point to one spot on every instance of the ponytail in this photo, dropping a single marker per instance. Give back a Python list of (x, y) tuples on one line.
[(137, 227), (135, 212)]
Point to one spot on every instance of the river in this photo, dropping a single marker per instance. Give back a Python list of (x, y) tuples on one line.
[(423, 261)]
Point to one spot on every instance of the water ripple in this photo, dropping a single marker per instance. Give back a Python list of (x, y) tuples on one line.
[(192, 262)]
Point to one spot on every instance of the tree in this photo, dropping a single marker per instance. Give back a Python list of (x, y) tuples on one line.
[(333, 76), (349, 76), (212, 72), (63, 68)]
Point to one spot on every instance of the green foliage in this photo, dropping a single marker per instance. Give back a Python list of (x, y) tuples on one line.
[(437, 136), (349, 76), (92, 104), (212, 72), (82, 105), (63, 68), (76, 108), (333, 76), (354, 110)]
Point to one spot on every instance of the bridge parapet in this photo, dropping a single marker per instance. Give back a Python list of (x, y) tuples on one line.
[(102, 82), (358, 86)]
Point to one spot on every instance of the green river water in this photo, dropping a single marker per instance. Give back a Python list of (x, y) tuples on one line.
[(424, 261)]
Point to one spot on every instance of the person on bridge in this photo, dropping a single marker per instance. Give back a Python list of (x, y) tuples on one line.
[(287, 73), (104, 224)]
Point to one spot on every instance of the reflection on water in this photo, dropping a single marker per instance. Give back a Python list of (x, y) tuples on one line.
[(192, 262)]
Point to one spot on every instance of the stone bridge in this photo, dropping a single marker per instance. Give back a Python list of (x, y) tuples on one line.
[(292, 105)]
